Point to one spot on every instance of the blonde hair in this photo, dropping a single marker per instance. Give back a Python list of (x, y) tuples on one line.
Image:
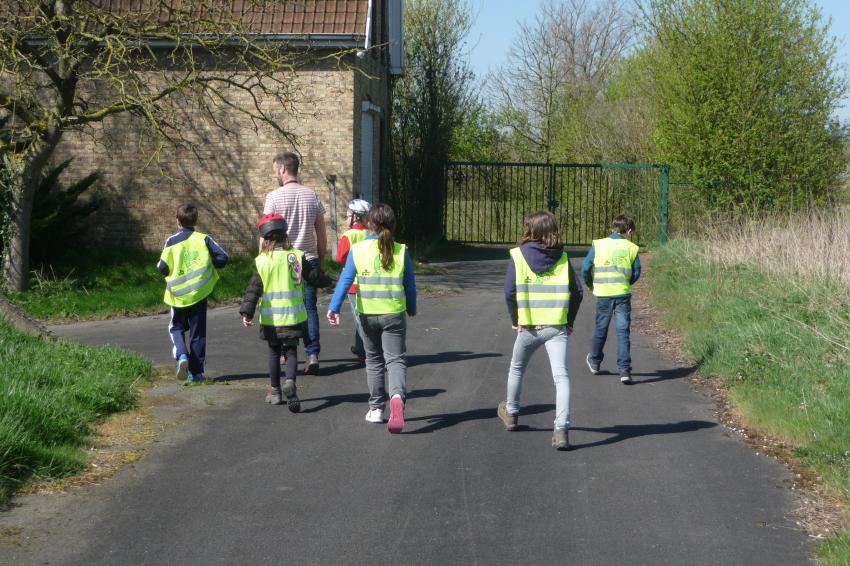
[(269, 246)]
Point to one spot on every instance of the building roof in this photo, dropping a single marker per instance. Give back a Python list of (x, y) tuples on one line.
[(285, 17)]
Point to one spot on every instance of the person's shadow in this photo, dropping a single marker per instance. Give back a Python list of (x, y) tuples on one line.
[(448, 357), (620, 433), (334, 400), (445, 420), (658, 375)]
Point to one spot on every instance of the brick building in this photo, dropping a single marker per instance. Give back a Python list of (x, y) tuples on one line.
[(340, 120)]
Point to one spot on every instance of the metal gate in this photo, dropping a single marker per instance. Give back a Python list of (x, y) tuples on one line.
[(486, 202)]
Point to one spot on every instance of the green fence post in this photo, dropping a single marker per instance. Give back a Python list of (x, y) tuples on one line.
[(665, 184)]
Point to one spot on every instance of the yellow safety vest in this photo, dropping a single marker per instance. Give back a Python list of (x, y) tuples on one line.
[(542, 299), (379, 291), (283, 287), (355, 235), (193, 276), (612, 266)]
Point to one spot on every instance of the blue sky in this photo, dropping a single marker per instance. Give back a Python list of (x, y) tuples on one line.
[(496, 23)]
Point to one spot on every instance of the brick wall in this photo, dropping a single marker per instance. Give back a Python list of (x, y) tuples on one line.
[(232, 171)]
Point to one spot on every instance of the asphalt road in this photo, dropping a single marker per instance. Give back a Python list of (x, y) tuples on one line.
[(653, 478)]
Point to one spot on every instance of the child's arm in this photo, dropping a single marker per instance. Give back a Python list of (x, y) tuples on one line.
[(635, 270), (219, 256), (342, 250), (510, 291), (251, 298), (346, 278), (576, 296), (409, 282), (587, 268)]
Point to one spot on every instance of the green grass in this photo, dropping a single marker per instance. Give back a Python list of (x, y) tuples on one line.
[(780, 346), (50, 393), (113, 283)]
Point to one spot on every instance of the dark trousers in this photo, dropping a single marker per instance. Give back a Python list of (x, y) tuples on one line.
[(287, 349), (191, 319), (620, 309)]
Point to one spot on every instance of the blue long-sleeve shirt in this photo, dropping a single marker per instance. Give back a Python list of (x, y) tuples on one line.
[(587, 265), (219, 256), (349, 272)]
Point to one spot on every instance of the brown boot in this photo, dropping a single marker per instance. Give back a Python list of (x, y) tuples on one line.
[(311, 365)]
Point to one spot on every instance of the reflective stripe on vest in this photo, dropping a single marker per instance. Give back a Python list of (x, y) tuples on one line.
[(542, 299), (193, 276), (283, 290), (612, 266), (379, 291)]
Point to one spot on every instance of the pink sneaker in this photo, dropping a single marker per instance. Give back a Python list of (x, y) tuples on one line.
[(396, 415)]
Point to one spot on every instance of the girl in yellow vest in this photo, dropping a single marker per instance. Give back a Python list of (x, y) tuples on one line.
[(386, 292), (356, 232), (277, 284), (543, 298)]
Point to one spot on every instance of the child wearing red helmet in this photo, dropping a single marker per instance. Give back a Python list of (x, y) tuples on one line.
[(277, 286)]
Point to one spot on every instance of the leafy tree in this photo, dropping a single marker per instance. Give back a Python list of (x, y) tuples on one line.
[(68, 65), (744, 94), (430, 103)]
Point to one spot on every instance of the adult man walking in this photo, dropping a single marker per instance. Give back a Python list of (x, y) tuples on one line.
[(304, 213)]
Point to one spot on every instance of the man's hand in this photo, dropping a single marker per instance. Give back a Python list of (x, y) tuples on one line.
[(333, 318), (246, 321)]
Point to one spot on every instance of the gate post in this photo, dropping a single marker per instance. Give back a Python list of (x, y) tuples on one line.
[(665, 185), (553, 204)]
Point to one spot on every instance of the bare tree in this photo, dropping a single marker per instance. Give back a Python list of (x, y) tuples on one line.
[(68, 65), (560, 63)]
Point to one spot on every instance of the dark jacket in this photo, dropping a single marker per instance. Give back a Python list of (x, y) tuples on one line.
[(540, 260), (254, 293)]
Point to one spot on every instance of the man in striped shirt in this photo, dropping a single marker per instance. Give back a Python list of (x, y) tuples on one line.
[(304, 213)]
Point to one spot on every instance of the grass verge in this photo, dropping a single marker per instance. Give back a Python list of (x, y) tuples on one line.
[(779, 344), (50, 393)]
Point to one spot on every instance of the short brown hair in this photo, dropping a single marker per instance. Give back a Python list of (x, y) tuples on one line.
[(541, 226), (187, 215), (622, 224), (288, 160)]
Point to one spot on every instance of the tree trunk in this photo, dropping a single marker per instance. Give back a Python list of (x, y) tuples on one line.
[(17, 254)]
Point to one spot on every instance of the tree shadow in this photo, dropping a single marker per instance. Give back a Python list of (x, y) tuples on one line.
[(334, 400), (448, 357), (624, 432), (445, 420)]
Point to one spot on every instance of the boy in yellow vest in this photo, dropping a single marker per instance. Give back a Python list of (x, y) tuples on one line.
[(610, 269), (356, 232), (189, 261)]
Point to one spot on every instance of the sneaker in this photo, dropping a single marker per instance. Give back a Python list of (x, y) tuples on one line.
[(360, 357), (510, 420), (273, 395), (311, 365), (626, 376), (293, 403), (183, 367), (560, 439), (396, 422), (594, 366), (375, 415)]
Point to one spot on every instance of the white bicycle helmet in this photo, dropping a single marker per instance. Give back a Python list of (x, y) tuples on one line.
[(359, 206)]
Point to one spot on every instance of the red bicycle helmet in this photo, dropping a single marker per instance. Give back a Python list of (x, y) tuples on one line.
[(272, 226)]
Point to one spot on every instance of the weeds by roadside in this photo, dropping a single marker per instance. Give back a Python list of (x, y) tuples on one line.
[(50, 393), (778, 340)]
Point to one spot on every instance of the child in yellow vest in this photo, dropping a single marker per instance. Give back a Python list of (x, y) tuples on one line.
[(610, 268), (386, 292), (277, 284), (356, 232), (543, 298), (189, 260)]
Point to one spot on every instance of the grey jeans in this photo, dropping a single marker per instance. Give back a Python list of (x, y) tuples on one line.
[(527, 341), (386, 355)]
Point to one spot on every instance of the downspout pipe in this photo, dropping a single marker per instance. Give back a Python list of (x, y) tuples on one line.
[(368, 43)]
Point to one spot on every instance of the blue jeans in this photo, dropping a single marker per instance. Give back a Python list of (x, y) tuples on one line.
[(555, 339), (620, 308), (311, 339)]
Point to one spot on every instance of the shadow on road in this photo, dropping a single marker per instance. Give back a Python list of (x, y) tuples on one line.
[(334, 400), (658, 375), (625, 432), (437, 422), (448, 357)]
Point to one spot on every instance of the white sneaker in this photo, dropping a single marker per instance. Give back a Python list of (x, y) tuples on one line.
[(375, 416)]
